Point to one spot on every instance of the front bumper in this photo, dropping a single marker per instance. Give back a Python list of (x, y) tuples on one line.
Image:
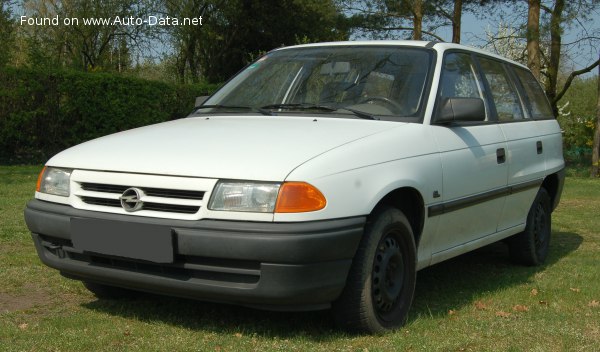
[(282, 266)]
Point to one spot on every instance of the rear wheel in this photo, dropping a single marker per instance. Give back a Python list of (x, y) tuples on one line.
[(381, 282), (531, 246)]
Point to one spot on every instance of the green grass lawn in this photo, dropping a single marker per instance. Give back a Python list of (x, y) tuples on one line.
[(476, 302)]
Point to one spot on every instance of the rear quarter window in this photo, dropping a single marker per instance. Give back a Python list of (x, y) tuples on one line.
[(535, 99)]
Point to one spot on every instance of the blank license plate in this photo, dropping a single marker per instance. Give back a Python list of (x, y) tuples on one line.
[(123, 239)]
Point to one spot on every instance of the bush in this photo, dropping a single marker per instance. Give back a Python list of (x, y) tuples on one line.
[(577, 116), (42, 113)]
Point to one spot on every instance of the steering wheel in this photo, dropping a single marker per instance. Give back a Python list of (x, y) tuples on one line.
[(390, 102)]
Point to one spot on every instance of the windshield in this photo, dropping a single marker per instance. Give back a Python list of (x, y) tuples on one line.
[(364, 81)]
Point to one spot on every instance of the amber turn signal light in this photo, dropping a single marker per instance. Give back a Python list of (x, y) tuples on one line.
[(299, 197), (39, 181)]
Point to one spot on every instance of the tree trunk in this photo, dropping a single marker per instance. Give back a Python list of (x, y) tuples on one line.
[(180, 61), (193, 61), (533, 38), (596, 150), (418, 19), (456, 21), (555, 46)]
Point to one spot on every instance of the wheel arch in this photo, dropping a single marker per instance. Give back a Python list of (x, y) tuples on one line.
[(553, 184), (410, 202)]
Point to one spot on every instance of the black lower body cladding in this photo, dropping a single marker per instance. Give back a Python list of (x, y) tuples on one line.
[(281, 266)]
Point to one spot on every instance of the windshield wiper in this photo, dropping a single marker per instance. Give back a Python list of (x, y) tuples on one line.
[(299, 107), (235, 107), (361, 114)]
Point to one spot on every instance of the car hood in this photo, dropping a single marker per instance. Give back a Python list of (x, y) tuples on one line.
[(247, 147)]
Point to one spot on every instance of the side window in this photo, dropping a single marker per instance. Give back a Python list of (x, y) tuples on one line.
[(458, 77), (536, 99), (503, 92)]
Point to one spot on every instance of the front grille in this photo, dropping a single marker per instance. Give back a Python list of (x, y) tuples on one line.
[(154, 192), (102, 201), (174, 193), (163, 200), (168, 208), (159, 196), (99, 187)]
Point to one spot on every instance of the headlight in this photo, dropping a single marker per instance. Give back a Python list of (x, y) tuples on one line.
[(265, 197), (244, 196), (54, 181)]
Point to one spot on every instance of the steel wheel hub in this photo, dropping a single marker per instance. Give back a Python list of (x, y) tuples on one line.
[(388, 275)]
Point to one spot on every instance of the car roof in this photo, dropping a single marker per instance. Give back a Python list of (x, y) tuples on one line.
[(438, 46)]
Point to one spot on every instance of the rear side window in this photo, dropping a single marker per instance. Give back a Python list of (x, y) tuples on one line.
[(536, 101), (503, 92)]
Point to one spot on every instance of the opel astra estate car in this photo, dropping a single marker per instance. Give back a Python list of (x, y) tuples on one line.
[(321, 176)]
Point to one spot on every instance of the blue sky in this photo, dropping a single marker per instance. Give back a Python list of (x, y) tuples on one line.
[(474, 31)]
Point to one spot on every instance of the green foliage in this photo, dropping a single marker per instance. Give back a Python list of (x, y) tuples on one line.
[(89, 46), (6, 32), (577, 117), (236, 30), (43, 112)]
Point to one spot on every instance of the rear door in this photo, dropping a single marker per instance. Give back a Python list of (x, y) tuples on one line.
[(525, 118)]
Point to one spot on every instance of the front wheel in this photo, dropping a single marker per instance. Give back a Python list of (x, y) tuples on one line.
[(381, 282)]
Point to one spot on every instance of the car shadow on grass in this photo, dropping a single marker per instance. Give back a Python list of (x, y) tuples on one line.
[(450, 285), (462, 280)]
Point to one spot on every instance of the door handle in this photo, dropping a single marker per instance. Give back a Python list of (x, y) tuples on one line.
[(500, 155), (539, 146)]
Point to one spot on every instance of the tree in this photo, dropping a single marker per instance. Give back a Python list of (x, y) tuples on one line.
[(552, 66), (240, 30), (416, 9), (386, 18), (533, 38), (543, 41), (452, 11), (596, 146), (577, 117), (558, 19), (86, 45), (456, 21), (187, 40), (6, 31), (506, 41)]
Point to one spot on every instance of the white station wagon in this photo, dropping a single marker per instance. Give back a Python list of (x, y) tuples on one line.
[(321, 176)]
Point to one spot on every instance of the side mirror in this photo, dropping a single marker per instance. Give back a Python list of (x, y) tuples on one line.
[(460, 109), (201, 100)]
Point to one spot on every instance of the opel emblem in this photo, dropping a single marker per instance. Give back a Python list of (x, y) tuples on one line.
[(131, 199)]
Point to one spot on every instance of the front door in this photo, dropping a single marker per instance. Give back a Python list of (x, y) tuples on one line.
[(474, 164)]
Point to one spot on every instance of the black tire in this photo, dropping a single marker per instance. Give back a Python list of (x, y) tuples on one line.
[(108, 292), (381, 282), (531, 246)]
